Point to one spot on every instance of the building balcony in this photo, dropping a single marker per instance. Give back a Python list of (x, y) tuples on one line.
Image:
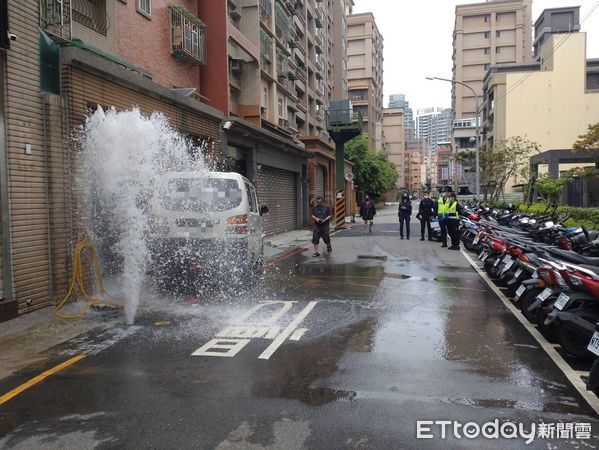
[(300, 115), (319, 43), (300, 87), (318, 65), (299, 56), (265, 11), (55, 18), (266, 48), (282, 23), (319, 17), (188, 36)]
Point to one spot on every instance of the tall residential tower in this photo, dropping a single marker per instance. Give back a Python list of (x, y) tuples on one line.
[(365, 71)]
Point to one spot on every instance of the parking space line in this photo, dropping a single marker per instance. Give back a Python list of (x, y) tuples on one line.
[(572, 375), (42, 376)]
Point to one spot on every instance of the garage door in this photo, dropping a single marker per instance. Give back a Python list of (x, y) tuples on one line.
[(319, 181), (277, 190)]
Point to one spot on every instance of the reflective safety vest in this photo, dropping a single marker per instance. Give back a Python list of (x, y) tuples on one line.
[(452, 210), (441, 209)]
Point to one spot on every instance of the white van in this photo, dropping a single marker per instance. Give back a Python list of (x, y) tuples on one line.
[(206, 225)]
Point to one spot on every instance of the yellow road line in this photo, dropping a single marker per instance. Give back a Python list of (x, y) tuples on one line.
[(42, 376)]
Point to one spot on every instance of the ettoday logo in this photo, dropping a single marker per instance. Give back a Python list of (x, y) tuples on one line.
[(429, 429)]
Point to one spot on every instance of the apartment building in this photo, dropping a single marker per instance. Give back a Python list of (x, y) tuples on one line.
[(415, 152), (399, 101), (365, 71), (281, 63), (70, 57), (434, 125), (443, 156), (551, 101), (394, 132), (485, 34)]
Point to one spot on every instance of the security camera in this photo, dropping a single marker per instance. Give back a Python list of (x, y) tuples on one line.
[(12, 37), (227, 125)]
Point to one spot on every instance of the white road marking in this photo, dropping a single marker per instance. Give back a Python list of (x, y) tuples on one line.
[(249, 332), (572, 375), (297, 334), (286, 306), (232, 347), (266, 354)]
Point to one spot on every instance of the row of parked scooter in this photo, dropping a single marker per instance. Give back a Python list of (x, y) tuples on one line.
[(550, 271)]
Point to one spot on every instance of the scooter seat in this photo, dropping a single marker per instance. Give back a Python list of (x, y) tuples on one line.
[(574, 257)]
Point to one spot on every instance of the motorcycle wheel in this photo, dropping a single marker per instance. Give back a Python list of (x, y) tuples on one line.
[(572, 340), (527, 299), (551, 331), (489, 265), (593, 383), (468, 244)]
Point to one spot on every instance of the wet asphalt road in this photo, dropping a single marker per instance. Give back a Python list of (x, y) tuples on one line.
[(378, 335)]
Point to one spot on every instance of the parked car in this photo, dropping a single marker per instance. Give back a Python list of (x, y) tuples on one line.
[(206, 227)]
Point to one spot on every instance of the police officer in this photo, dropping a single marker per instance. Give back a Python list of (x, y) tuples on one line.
[(442, 217), (453, 210)]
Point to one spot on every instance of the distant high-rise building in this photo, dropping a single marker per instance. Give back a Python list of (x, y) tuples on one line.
[(486, 34), (365, 71), (399, 101), (395, 144), (434, 125)]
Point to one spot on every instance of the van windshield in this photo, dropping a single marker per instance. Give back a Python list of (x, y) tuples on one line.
[(201, 195)]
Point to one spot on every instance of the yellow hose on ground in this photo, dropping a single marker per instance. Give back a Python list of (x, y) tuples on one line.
[(78, 280)]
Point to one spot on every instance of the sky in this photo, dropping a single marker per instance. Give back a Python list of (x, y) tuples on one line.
[(418, 43)]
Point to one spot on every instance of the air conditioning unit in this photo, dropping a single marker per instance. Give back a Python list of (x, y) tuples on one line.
[(236, 65)]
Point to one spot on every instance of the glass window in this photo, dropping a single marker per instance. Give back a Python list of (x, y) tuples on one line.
[(251, 197), (201, 195), (487, 50), (498, 33), (498, 50), (255, 197), (487, 34)]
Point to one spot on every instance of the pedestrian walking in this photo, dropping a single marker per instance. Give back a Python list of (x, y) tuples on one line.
[(321, 214), (404, 212), (426, 212), (453, 209), (442, 217), (367, 212)]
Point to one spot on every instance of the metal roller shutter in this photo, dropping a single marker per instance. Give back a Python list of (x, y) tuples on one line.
[(277, 190), (319, 181)]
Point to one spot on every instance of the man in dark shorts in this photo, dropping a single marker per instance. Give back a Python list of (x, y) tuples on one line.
[(321, 214)]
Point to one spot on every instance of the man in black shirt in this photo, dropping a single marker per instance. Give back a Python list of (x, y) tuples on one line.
[(321, 214)]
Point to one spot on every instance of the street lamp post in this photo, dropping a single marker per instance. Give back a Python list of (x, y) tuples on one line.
[(477, 184)]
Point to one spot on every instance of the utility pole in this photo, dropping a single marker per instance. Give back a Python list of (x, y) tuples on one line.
[(476, 139)]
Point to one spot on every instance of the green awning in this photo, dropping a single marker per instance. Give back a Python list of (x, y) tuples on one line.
[(193, 19), (49, 64)]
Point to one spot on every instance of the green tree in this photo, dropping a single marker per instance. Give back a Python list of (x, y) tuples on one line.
[(499, 164), (373, 172), (588, 141), (550, 189)]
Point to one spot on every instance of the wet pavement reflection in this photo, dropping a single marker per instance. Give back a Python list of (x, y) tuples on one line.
[(400, 331)]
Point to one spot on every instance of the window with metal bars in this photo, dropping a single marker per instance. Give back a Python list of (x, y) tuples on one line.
[(144, 7), (187, 36)]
